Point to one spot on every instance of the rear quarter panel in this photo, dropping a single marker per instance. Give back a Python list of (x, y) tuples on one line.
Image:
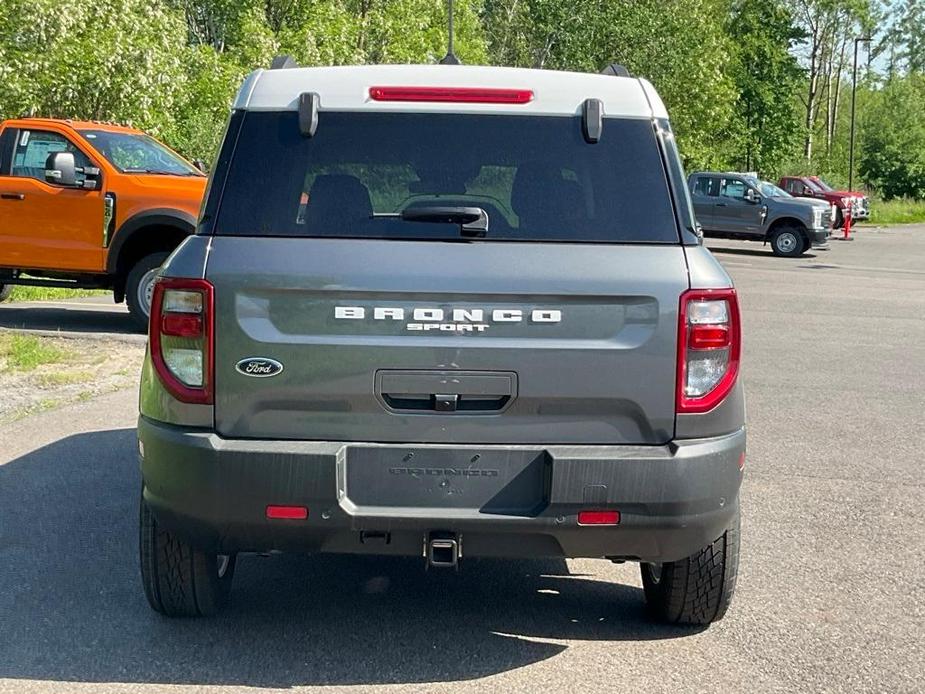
[(155, 402), (707, 273)]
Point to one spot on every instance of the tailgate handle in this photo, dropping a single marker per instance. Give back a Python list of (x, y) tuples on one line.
[(445, 392)]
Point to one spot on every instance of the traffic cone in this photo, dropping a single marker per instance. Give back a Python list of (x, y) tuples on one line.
[(846, 227)]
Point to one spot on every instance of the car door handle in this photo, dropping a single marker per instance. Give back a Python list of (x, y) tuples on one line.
[(720, 204), (13, 196)]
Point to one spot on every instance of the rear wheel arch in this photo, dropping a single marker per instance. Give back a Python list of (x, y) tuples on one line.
[(152, 231)]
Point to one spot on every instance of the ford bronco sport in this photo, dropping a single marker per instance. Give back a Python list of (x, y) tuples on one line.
[(446, 312), (91, 205)]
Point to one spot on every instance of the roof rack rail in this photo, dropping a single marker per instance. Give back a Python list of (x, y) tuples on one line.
[(283, 62), (615, 70)]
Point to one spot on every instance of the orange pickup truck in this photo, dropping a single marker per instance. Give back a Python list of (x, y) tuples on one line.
[(91, 205)]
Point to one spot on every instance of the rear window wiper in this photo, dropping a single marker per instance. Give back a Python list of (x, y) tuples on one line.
[(472, 221)]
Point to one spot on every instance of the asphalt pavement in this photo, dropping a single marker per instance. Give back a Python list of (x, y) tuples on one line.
[(831, 595), (86, 317)]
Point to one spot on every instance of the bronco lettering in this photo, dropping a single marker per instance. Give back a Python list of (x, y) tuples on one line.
[(457, 320)]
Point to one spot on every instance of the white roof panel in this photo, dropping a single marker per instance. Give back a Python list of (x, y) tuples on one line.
[(346, 88)]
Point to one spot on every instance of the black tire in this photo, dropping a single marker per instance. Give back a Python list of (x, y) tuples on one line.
[(839, 221), (180, 580), (788, 242), (141, 272), (696, 590), (5, 291)]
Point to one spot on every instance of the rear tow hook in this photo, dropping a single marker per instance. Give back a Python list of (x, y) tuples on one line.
[(443, 549)]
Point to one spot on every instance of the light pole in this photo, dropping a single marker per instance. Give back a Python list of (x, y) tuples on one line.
[(854, 89)]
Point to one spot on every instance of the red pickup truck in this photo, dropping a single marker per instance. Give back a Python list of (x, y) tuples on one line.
[(851, 202)]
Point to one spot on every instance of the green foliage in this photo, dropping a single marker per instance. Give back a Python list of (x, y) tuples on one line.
[(766, 123), (26, 352), (172, 67), (893, 148), (107, 59), (911, 35), (681, 46), (734, 74), (23, 293), (896, 211)]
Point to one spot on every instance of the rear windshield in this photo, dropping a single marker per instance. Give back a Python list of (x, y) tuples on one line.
[(536, 178)]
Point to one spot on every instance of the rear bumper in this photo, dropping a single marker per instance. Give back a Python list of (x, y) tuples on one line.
[(673, 499)]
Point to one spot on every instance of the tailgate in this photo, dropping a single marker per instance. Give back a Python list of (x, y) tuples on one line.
[(444, 342)]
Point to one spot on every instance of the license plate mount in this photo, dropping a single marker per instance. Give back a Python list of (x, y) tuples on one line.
[(508, 482)]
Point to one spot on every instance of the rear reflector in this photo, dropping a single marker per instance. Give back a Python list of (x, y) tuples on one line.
[(467, 95), (598, 517), (287, 512)]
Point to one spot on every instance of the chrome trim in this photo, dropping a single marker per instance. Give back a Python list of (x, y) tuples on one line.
[(109, 209)]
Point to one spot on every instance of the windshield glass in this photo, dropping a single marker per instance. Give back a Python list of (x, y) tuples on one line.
[(813, 185), (137, 153), (534, 176), (822, 184), (770, 190)]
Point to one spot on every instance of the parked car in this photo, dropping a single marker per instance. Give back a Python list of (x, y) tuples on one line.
[(457, 312), (814, 187), (91, 205), (735, 205)]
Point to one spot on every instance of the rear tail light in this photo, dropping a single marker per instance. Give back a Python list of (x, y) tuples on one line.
[(709, 345), (181, 338), (469, 95)]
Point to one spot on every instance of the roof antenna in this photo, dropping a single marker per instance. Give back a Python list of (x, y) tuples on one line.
[(450, 57)]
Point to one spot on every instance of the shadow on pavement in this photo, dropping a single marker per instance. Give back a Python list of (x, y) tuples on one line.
[(73, 610), (76, 317), (758, 250)]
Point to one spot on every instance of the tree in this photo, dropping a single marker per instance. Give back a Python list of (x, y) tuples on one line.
[(828, 26), (911, 32), (109, 59), (172, 67), (893, 144), (680, 46), (766, 74)]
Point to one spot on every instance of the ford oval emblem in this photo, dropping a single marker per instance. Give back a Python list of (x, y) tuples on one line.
[(259, 367)]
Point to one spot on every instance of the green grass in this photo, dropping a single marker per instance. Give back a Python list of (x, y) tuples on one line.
[(49, 293), (26, 352), (63, 378), (897, 211), (41, 406)]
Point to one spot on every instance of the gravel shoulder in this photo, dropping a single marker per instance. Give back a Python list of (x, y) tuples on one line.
[(39, 373)]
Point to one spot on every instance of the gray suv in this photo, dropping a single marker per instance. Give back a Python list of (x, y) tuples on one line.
[(734, 205), (445, 312)]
